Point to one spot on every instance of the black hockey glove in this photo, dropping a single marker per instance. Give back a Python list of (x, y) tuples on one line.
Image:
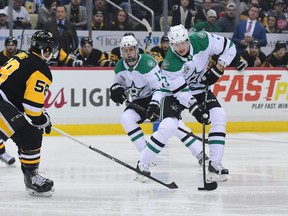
[(211, 76), (44, 124), (241, 65), (153, 111), (201, 114), (117, 93)]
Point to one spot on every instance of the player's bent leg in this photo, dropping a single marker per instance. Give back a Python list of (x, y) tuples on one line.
[(217, 134), (28, 140)]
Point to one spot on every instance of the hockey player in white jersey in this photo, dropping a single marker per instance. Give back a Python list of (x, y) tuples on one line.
[(185, 67), (140, 76)]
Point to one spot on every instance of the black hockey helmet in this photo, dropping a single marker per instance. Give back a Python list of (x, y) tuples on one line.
[(42, 40), (86, 40), (280, 44), (164, 38), (11, 39), (255, 43)]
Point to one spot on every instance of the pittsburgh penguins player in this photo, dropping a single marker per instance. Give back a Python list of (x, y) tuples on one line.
[(139, 75), (185, 67), (24, 81)]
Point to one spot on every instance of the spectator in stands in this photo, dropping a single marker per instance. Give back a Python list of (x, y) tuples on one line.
[(64, 32), (3, 19), (253, 57), (182, 15), (77, 14), (98, 20), (227, 23), (279, 56), (209, 25), (115, 54), (159, 52), (272, 26), (202, 13), (121, 21), (261, 17), (279, 11), (10, 50), (46, 12), (102, 5), (249, 30), (90, 56), (244, 5), (20, 17)]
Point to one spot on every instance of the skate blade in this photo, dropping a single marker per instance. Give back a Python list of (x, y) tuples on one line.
[(212, 177), (140, 178), (40, 194)]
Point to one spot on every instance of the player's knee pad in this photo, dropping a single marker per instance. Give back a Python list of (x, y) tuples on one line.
[(168, 127), (218, 118), (28, 138), (129, 116)]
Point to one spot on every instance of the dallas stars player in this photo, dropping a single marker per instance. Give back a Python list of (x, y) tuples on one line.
[(140, 76), (185, 67), (24, 81)]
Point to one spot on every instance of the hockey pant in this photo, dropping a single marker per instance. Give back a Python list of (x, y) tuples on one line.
[(27, 137)]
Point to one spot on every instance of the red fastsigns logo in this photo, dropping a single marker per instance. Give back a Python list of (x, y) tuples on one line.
[(251, 87)]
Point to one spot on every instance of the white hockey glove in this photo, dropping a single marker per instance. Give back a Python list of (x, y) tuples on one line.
[(44, 124), (77, 63)]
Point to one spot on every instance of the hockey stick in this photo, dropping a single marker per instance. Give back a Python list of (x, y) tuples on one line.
[(212, 185), (170, 186), (181, 129), (149, 29)]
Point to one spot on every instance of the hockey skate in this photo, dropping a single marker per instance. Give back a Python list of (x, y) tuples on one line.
[(144, 168), (37, 185), (200, 159), (216, 172), (7, 159)]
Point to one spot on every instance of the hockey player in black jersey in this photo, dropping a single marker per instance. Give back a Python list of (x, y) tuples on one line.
[(9, 51), (24, 81), (90, 56), (159, 52)]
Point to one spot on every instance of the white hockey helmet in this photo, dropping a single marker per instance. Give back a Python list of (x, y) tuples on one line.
[(129, 40), (177, 34)]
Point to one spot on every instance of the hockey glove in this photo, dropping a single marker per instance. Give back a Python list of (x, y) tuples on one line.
[(211, 76), (201, 114), (44, 124), (241, 65), (117, 93), (77, 63), (153, 111)]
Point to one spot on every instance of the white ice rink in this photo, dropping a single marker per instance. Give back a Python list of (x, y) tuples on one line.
[(87, 183)]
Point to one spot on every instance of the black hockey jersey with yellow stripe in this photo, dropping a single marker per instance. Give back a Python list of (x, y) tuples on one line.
[(24, 81)]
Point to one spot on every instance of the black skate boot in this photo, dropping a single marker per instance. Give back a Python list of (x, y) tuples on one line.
[(144, 168), (200, 159), (216, 172), (7, 159), (37, 185)]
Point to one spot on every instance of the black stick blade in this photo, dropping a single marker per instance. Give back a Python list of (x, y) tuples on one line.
[(172, 185), (209, 186)]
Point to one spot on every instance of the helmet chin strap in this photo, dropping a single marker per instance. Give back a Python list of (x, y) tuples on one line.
[(46, 59)]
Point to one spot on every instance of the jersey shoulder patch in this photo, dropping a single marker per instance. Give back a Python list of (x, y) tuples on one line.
[(146, 64), (199, 41), (172, 62)]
